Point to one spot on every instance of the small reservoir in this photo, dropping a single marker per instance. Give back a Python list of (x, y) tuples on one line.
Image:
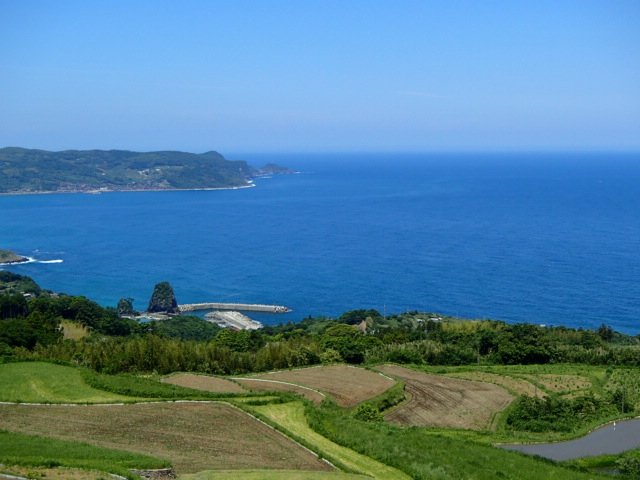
[(614, 438)]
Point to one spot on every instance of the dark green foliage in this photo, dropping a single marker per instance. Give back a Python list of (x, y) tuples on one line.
[(13, 306), (355, 317), (187, 328), (629, 466), (12, 283), (125, 307), (163, 299), (368, 413), (556, 414)]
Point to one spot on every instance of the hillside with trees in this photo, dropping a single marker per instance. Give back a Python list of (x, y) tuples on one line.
[(29, 171)]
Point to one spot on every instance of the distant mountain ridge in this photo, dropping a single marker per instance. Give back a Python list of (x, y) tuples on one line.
[(32, 171)]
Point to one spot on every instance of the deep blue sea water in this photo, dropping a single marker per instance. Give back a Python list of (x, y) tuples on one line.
[(546, 238)]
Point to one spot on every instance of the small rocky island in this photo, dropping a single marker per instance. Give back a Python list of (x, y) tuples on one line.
[(8, 257)]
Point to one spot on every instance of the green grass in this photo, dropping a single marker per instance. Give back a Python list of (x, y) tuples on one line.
[(291, 417), (33, 450), (271, 475), (38, 382), (424, 455)]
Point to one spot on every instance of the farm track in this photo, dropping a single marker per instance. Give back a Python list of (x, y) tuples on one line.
[(438, 401), (194, 436)]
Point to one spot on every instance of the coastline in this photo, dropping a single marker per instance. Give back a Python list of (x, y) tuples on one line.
[(100, 191)]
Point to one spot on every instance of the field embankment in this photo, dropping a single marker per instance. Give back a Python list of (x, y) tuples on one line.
[(349, 386), (438, 401)]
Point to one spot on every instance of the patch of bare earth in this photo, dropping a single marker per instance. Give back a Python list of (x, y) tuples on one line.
[(519, 386), (202, 382), (348, 385), (262, 385), (438, 401), (192, 436)]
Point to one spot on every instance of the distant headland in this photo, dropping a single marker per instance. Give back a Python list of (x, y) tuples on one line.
[(8, 257), (26, 171)]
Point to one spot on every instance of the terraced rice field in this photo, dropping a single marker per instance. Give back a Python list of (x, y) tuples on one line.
[(262, 385), (194, 436), (561, 383), (438, 401), (203, 382), (349, 386), (518, 386)]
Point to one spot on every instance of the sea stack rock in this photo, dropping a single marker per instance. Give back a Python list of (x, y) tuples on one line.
[(163, 299)]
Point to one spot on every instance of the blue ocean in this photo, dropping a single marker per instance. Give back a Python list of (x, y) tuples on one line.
[(546, 238)]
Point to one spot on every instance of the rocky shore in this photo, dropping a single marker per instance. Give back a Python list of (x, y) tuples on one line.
[(8, 257)]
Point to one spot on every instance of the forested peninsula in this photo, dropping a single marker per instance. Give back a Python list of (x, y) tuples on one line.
[(25, 171)]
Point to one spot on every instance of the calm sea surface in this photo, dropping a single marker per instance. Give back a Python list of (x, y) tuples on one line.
[(545, 238)]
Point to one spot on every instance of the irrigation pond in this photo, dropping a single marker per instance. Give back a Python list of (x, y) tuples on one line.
[(613, 438)]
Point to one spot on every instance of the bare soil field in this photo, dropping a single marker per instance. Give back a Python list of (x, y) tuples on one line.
[(202, 382), (561, 383), (262, 385), (520, 386), (438, 401), (193, 436), (348, 385)]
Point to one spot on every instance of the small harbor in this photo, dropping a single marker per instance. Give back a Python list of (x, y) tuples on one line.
[(239, 307)]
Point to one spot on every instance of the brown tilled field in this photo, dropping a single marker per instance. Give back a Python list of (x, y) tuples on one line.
[(262, 385), (438, 401), (202, 382), (348, 385), (193, 436)]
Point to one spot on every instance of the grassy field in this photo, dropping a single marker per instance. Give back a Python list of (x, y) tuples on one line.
[(36, 382), (437, 401), (349, 386), (291, 417)]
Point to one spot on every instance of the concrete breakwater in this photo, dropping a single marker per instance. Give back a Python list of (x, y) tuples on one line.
[(246, 307), (234, 320)]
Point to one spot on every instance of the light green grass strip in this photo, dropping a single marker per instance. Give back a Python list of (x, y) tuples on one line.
[(37, 382), (291, 417), (270, 475)]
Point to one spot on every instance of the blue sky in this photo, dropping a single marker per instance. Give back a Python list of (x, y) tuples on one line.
[(316, 76)]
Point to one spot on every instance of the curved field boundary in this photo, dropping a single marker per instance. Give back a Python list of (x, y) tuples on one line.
[(438, 401), (349, 385), (262, 384), (290, 416), (204, 382), (194, 436)]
